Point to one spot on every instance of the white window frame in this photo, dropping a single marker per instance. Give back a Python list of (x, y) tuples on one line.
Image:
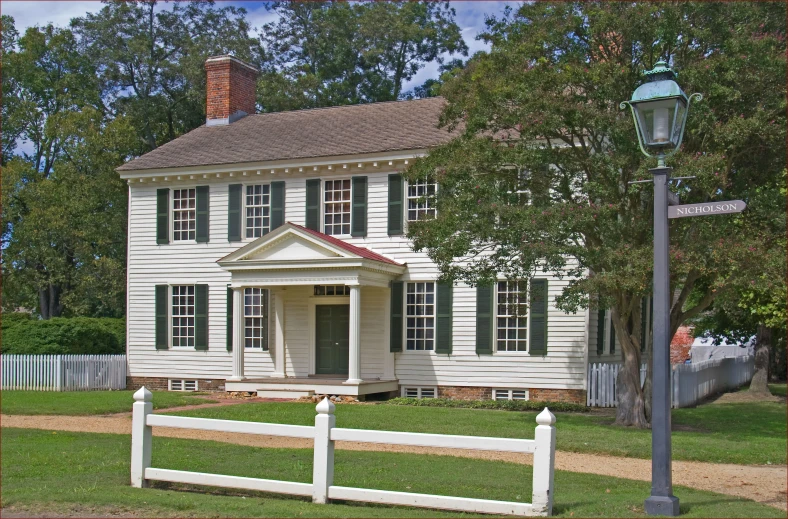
[(345, 288), (244, 207), (172, 214), (182, 383), (171, 316), (266, 300), (509, 394), (323, 205), (406, 316), (404, 390), (408, 198), (496, 351)]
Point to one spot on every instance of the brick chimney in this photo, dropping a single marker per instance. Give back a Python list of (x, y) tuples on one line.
[(231, 90)]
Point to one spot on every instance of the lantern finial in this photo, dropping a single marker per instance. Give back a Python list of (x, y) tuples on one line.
[(660, 72)]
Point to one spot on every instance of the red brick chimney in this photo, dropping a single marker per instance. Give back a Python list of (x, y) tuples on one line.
[(231, 89)]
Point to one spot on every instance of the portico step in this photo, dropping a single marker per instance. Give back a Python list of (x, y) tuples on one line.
[(284, 393)]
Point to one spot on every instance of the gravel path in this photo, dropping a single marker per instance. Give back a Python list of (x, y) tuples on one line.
[(765, 484)]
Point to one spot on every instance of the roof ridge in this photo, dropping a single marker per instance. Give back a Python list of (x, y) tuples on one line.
[(356, 105)]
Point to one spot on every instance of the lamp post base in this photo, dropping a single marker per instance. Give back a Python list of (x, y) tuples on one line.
[(662, 505)]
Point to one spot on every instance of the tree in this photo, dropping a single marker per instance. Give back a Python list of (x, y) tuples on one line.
[(548, 93), (432, 86), (339, 53), (150, 61)]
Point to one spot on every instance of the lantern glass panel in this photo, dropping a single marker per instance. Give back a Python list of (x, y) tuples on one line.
[(678, 122), (657, 120)]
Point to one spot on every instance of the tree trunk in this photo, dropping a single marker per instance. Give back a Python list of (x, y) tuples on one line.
[(631, 409), (49, 302), (763, 341)]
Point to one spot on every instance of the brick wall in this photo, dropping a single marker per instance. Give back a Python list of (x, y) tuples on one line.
[(681, 344), (231, 87), (161, 384), (465, 393)]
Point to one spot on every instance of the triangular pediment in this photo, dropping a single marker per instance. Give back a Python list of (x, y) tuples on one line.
[(285, 244)]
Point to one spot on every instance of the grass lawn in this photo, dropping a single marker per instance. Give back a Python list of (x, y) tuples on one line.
[(751, 433), (43, 470), (778, 389), (85, 402)]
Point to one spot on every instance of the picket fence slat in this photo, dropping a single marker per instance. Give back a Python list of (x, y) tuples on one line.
[(690, 383), (62, 372)]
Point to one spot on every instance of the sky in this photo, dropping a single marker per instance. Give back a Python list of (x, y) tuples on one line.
[(470, 18)]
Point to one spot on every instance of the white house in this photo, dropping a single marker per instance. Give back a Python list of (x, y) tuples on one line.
[(267, 252)]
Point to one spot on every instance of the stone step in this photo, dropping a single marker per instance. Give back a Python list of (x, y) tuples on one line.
[(284, 393)]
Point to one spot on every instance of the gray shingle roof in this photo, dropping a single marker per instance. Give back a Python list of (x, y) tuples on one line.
[(321, 132)]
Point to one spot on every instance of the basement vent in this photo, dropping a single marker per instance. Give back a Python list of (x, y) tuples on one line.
[(183, 385), (510, 394), (419, 392)]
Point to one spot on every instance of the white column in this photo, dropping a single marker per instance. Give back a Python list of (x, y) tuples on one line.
[(388, 357), (279, 334), (354, 357), (238, 335)]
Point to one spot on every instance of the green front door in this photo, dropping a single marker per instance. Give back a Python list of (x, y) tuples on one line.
[(332, 339)]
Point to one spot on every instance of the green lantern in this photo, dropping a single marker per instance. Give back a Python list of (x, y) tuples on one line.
[(660, 108)]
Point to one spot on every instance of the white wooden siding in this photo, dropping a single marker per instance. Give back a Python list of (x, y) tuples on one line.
[(150, 264)]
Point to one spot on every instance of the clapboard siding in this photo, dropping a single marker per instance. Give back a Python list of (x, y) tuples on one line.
[(188, 263)]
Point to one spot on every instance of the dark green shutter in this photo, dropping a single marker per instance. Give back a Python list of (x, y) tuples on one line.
[(396, 316), (443, 318), (234, 216), (538, 308), (396, 195), (266, 295), (203, 225), (229, 318), (277, 204), (612, 333), (313, 204), (485, 319), (201, 317), (643, 331), (162, 216), (162, 330), (600, 332), (358, 218)]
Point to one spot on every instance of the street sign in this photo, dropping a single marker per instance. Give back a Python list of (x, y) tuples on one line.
[(709, 208), (673, 198)]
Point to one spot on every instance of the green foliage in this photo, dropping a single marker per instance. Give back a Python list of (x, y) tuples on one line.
[(506, 405), (548, 93), (9, 319), (338, 53), (59, 335)]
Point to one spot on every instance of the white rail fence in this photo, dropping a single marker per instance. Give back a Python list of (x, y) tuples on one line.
[(325, 433), (62, 372), (690, 383)]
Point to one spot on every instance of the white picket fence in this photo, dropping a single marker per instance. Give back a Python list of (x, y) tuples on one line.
[(690, 383), (325, 433), (62, 372)]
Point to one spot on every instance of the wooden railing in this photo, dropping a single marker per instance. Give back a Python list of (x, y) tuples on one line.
[(325, 434)]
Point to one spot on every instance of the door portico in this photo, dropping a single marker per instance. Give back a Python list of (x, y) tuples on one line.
[(292, 260)]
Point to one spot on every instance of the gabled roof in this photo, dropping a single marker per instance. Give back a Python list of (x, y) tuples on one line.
[(293, 246), (301, 134)]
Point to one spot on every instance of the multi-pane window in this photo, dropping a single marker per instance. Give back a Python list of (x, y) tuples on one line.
[(420, 312), (512, 316), (258, 210), (332, 290), (184, 214), (421, 199), (336, 207), (255, 317), (183, 315)]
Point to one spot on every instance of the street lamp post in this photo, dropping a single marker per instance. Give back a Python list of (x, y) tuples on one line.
[(659, 108)]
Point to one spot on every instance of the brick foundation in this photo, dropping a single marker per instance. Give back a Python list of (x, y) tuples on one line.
[(161, 384), (575, 396)]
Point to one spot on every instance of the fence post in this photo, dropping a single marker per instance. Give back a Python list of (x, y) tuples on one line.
[(323, 468), (544, 464), (141, 436)]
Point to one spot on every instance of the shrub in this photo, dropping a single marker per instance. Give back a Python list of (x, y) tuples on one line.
[(9, 319), (506, 405), (61, 336)]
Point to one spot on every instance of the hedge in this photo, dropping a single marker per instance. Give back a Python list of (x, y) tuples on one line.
[(506, 405), (60, 335)]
